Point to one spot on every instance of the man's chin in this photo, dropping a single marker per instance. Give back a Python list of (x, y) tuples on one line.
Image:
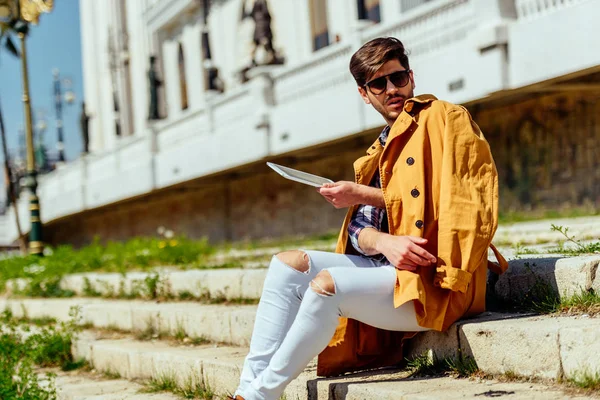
[(393, 115)]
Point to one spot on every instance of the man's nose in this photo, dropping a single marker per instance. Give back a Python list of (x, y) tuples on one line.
[(389, 86)]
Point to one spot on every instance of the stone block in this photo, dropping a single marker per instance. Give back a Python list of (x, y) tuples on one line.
[(145, 316), (109, 314), (242, 324), (524, 345), (567, 276), (111, 356), (580, 348), (441, 344)]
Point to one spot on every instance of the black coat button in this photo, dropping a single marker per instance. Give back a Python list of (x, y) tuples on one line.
[(414, 193), (419, 224), (410, 161)]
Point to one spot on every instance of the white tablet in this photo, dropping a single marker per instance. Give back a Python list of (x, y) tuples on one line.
[(299, 176)]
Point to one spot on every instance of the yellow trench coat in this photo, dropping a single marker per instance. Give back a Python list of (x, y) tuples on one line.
[(439, 182)]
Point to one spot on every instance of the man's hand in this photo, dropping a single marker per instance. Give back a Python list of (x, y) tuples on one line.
[(404, 252), (344, 194)]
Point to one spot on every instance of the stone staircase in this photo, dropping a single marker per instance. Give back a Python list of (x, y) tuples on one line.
[(547, 347), (195, 341)]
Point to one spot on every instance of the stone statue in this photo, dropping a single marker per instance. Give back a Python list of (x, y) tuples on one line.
[(84, 120), (263, 35), (154, 83)]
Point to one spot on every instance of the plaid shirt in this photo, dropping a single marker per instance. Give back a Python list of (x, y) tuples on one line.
[(367, 216)]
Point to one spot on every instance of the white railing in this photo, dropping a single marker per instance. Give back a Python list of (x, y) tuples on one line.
[(532, 8), (322, 71), (406, 5), (430, 28)]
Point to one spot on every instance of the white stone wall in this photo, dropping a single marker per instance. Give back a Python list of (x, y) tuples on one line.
[(461, 50)]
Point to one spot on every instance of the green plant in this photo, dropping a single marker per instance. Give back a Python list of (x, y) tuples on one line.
[(161, 383), (20, 353), (541, 298), (587, 302), (427, 364), (586, 379), (149, 333), (111, 373), (88, 288), (180, 333), (580, 248), (198, 388)]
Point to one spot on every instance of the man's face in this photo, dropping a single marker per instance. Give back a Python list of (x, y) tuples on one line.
[(390, 102)]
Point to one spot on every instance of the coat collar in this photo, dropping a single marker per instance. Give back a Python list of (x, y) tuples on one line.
[(411, 107)]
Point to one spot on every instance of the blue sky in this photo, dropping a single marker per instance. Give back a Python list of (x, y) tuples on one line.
[(54, 43)]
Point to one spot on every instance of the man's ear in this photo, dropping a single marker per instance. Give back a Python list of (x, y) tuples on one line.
[(364, 95), (412, 79)]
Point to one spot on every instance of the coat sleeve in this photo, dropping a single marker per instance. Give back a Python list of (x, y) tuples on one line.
[(468, 207)]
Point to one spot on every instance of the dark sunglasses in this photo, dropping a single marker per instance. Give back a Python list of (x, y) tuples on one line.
[(398, 79)]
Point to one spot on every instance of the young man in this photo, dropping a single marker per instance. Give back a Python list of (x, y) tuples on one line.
[(411, 255)]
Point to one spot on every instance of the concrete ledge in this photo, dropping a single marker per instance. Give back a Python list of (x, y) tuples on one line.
[(535, 346), (214, 283), (86, 388), (220, 367), (231, 324), (567, 276)]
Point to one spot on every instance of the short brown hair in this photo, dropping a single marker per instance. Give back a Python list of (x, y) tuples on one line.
[(373, 54)]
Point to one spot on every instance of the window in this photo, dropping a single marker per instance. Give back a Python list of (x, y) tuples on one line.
[(182, 81), (318, 23), (369, 10)]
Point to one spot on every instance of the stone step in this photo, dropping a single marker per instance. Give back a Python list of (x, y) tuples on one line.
[(87, 387), (553, 347), (568, 275), (229, 284), (230, 324), (220, 367)]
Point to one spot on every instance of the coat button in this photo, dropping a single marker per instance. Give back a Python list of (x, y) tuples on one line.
[(419, 224), (410, 161), (373, 147), (414, 193)]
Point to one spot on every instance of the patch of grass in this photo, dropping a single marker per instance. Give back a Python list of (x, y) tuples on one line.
[(579, 249), (180, 333), (73, 365), (197, 389), (165, 382), (197, 341), (111, 373), (136, 254), (586, 380), (428, 364), (519, 249), (20, 354), (581, 303), (511, 217), (88, 288), (149, 333)]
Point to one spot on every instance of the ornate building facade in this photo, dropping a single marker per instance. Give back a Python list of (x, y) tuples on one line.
[(182, 142)]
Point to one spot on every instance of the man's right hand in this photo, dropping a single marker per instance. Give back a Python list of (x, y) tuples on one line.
[(404, 252)]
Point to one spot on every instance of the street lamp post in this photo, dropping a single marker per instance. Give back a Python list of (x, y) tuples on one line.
[(60, 146), (20, 14)]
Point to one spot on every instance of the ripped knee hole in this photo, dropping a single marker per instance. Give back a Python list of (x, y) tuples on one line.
[(323, 284), (295, 259)]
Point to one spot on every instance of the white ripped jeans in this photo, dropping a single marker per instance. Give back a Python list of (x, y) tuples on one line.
[(294, 323)]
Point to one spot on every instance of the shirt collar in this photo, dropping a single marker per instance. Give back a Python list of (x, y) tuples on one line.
[(384, 135)]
